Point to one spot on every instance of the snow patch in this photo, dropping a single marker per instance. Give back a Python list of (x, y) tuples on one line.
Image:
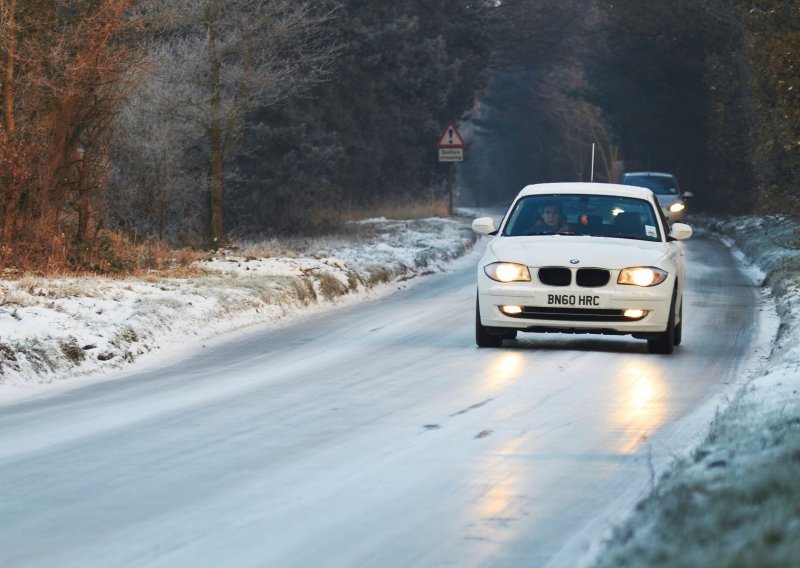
[(67, 328)]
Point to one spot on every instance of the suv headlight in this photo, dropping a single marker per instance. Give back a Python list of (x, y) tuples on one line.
[(641, 276), (507, 272), (677, 206)]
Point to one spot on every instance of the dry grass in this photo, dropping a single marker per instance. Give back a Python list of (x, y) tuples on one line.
[(379, 275), (40, 286), (115, 254), (15, 298), (331, 287), (304, 290), (270, 249), (343, 231), (72, 351), (435, 207), (110, 254)]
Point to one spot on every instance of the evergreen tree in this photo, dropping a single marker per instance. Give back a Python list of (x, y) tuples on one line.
[(368, 136)]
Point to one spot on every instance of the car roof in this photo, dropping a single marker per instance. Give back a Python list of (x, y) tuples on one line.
[(651, 174), (587, 188)]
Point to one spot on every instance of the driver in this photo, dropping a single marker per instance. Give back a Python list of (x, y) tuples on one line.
[(552, 219)]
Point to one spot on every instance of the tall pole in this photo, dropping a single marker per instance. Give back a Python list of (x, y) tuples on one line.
[(451, 186)]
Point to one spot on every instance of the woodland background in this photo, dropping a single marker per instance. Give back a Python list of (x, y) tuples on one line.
[(158, 123)]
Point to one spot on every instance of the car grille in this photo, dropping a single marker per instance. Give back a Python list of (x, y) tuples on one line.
[(585, 277), (555, 276), (592, 277), (570, 314)]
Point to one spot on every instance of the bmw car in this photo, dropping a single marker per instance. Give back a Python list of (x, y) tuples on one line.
[(667, 190), (582, 258)]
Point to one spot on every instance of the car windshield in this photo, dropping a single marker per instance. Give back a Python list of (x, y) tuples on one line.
[(592, 215), (662, 185)]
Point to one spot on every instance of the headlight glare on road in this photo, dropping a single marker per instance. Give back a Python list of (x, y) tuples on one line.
[(676, 207), (507, 272), (641, 276)]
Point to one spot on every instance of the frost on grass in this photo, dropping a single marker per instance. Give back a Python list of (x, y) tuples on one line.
[(51, 329), (30, 359), (736, 501)]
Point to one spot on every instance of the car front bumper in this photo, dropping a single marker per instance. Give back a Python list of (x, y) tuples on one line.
[(574, 309)]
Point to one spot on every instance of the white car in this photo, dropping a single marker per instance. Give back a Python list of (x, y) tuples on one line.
[(609, 265)]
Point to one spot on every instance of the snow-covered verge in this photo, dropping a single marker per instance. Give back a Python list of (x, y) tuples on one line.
[(56, 329), (736, 500)]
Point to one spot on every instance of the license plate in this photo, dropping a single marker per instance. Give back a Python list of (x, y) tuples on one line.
[(573, 300)]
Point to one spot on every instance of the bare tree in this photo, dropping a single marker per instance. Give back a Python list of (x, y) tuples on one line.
[(63, 65)]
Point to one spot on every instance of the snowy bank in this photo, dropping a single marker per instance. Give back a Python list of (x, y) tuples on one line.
[(734, 501), (55, 329)]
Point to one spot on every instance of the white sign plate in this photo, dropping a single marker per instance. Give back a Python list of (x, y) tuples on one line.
[(451, 154)]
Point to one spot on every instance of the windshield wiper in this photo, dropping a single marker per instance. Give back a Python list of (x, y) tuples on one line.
[(566, 233), (630, 237)]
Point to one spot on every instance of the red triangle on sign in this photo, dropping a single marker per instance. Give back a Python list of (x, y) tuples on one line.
[(450, 138)]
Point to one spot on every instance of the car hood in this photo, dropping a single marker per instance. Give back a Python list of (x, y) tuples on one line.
[(599, 252)]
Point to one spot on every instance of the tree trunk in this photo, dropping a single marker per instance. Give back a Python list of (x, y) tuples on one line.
[(215, 129), (216, 183), (8, 83), (10, 197)]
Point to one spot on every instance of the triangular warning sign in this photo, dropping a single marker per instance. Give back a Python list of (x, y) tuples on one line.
[(450, 138)]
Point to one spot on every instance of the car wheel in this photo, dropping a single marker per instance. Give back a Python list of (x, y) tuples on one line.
[(665, 343), (510, 334), (679, 327), (482, 336)]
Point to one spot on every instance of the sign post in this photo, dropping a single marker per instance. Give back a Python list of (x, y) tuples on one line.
[(451, 149)]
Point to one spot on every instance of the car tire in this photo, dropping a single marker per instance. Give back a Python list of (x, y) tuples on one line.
[(679, 327), (665, 343), (482, 336)]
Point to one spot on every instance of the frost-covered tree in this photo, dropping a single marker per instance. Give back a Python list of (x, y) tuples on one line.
[(218, 60), (160, 171)]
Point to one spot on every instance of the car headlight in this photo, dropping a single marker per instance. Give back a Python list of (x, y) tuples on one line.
[(507, 272), (677, 206), (641, 276)]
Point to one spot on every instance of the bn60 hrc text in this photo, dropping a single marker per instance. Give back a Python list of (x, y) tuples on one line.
[(572, 300)]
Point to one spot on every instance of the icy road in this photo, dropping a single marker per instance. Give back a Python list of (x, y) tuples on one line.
[(373, 435)]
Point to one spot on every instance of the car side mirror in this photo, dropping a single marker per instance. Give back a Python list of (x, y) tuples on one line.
[(688, 194), (483, 225), (680, 231)]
